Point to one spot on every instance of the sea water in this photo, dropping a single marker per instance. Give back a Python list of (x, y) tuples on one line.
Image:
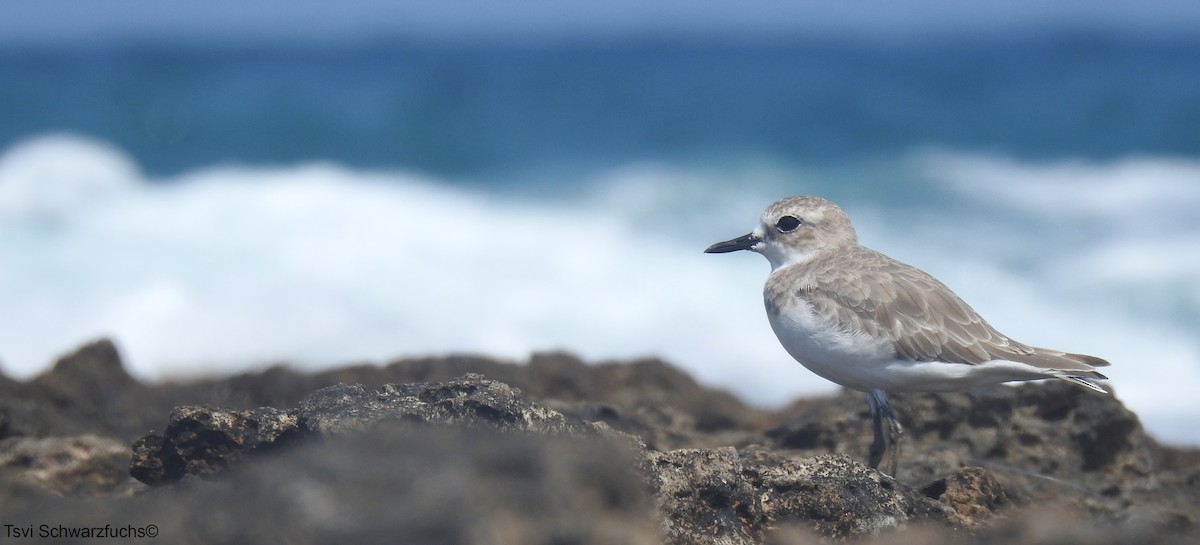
[(215, 210)]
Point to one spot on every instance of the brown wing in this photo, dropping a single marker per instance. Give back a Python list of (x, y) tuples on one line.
[(924, 319)]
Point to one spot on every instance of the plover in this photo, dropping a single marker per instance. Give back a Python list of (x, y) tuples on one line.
[(870, 323)]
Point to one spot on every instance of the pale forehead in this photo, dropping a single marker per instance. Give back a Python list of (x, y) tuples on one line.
[(808, 208)]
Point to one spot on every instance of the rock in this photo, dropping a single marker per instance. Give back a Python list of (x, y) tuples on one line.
[(87, 391), (704, 495), (1049, 441), (973, 493), (395, 482), (201, 441), (727, 496), (5, 425), (560, 451), (84, 465), (647, 397), (840, 497), (470, 401)]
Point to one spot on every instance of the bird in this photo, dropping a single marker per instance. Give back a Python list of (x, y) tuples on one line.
[(870, 323)]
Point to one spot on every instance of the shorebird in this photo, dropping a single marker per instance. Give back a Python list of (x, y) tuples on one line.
[(870, 323)]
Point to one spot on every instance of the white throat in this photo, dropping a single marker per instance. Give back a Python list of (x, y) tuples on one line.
[(782, 255)]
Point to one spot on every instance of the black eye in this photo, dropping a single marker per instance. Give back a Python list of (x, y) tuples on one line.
[(788, 224)]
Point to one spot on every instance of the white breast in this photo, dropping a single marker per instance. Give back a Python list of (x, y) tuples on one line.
[(852, 359)]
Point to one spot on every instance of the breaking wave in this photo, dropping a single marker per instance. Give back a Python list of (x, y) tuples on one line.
[(236, 266)]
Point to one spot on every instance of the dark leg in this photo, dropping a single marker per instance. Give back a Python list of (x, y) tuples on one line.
[(881, 410), (894, 433), (879, 445)]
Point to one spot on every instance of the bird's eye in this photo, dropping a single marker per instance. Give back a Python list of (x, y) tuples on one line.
[(788, 224)]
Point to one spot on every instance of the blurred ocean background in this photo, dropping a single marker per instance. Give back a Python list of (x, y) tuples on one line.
[(220, 190)]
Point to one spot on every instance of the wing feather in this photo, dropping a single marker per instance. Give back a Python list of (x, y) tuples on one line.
[(923, 318)]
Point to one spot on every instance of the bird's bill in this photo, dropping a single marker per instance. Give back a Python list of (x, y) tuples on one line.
[(744, 242)]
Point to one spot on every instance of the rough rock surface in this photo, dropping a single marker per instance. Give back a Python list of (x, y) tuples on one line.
[(80, 465), (470, 401), (1051, 441), (204, 440), (557, 451), (722, 495), (394, 483)]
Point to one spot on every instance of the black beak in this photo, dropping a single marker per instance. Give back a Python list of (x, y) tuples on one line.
[(744, 242)]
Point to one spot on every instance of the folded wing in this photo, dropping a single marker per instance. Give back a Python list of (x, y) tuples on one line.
[(924, 319)]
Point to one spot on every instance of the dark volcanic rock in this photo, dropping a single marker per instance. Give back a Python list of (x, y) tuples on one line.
[(87, 391), (648, 397), (84, 465), (704, 495), (611, 453), (1044, 442), (973, 493), (726, 496), (470, 401), (200, 441), (395, 483)]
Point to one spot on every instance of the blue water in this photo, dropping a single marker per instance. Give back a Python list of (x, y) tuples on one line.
[(475, 110), (217, 209)]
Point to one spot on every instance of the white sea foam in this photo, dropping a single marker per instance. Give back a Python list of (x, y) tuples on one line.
[(47, 177), (233, 267), (318, 265)]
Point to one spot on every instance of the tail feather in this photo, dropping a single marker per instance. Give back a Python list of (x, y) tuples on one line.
[(1088, 360), (1077, 368), (1053, 359), (1086, 382)]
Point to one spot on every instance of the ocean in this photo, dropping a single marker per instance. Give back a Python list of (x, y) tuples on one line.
[(215, 209)]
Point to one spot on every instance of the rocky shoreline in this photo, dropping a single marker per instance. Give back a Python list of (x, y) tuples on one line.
[(472, 450)]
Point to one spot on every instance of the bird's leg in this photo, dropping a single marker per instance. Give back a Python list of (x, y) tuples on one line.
[(895, 431), (878, 445), (881, 410), (877, 400)]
